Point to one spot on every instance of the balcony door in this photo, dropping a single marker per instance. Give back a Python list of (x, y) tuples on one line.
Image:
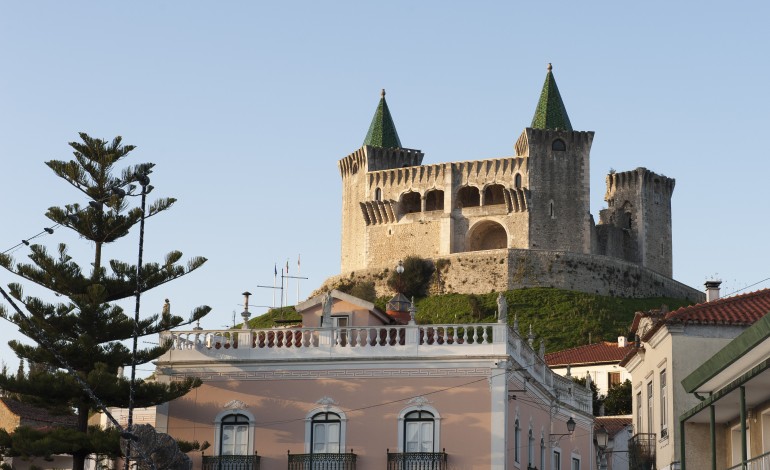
[(235, 435), (419, 427), (325, 438)]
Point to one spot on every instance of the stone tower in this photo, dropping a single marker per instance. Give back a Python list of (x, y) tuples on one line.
[(559, 179), (636, 226)]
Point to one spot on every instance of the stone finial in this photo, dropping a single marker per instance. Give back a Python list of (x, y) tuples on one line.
[(588, 380), (550, 67), (569, 371), (382, 93), (531, 337), (412, 313), (516, 322), (542, 349)]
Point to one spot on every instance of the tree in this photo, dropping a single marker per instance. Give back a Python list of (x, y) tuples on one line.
[(618, 400), (415, 279), (85, 328)]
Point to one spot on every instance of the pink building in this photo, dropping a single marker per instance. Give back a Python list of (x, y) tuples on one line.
[(356, 388)]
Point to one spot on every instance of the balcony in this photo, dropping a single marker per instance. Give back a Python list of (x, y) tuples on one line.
[(761, 462), (322, 461), (231, 462), (417, 461), (641, 452)]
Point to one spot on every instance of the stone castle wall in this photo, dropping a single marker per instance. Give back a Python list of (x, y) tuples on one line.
[(505, 269)]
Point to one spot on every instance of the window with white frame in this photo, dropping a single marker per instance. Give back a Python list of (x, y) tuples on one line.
[(575, 463), (556, 460), (419, 431), (234, 432), (517, 442), (663, 405), (542, 453), (650, 408), (639, 412), (530, 449), (325, 433), (325, 429)]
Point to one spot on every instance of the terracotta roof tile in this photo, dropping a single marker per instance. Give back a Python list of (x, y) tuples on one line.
[(612, 424), (607, 351), (739, 310)]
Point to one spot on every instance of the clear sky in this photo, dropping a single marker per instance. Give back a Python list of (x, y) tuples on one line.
[(246, 107)]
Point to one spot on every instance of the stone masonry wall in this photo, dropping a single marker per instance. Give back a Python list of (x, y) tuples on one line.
[(498, 270)]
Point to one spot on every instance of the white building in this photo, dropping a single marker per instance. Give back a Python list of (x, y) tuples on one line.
[(600, 360)]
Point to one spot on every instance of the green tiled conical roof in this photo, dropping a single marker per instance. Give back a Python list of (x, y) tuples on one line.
[(382, 131), (550, 112)]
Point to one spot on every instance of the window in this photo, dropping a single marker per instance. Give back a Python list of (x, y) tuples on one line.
[(419, 427), (558, 145), (517, 181), (378, 194), (613, 378), (542, 453), (234, 432), (517, 442), (234, 435), (419, 432), (639, 412), (663, 405), (556, 460), (551, 210), (531, 450), (325, 433), (575, 463), (650, 409)]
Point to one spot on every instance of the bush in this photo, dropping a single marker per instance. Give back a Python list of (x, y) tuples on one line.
[(415, 279)]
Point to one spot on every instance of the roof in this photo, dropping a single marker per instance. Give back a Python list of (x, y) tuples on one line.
[(739, 310), (604, 352), (339, 295), (550, 112), (382, 131), (41, 415), (613, 424)]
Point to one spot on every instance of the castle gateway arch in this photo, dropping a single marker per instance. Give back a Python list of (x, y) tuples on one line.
[(486, 235)]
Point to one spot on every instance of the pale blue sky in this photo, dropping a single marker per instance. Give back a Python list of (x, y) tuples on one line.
[(246, 107)]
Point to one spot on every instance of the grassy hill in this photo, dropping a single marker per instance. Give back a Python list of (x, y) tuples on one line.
[(564, 318)]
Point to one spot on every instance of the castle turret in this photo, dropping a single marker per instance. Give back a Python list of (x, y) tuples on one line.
[(559, 180), (366, 201)]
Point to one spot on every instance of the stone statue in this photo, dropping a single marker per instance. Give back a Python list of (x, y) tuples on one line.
[(326, 307), (502, 309)]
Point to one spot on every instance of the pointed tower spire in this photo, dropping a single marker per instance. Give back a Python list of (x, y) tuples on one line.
[(382, 132), (550, 112)]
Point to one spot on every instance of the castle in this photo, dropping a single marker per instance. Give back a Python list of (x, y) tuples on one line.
[(509, 222)]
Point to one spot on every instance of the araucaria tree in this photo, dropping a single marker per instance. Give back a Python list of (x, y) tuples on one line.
[(83, 326)]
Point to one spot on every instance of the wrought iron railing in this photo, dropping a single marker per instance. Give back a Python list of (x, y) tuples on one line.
[(761, 462), (641, 452), (322, 461), (231, 462), (417, 461)]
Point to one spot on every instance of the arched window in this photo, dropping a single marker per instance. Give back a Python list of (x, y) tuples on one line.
[(558, 145), (434, 200), (531, 450), (234, 432), (325, 433), (410, 202), (419, 431), (517, 181), (378, 194), (494, 194), (468, 196), (517, 442), (542, 453)]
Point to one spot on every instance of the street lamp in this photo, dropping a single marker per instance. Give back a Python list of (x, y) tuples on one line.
[(602, 438), (570, 429), (400, 271)]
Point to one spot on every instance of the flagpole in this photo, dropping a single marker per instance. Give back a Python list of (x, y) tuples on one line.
[(275, 278)]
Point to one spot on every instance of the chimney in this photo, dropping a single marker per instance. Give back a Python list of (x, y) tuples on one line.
[(622, 342), (712, 290)]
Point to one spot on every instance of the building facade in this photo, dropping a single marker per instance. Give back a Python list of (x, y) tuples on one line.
[(669, 347), (352, 387), (599, 360)]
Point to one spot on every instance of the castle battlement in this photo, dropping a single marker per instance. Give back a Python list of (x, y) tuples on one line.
[(393, 206)]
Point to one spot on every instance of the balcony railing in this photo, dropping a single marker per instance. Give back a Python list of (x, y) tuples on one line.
[(641, 452), (761, 462), (417, 461), (231, 462), (322, 461)]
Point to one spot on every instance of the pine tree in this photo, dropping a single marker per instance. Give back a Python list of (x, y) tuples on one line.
[(84, 326)]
